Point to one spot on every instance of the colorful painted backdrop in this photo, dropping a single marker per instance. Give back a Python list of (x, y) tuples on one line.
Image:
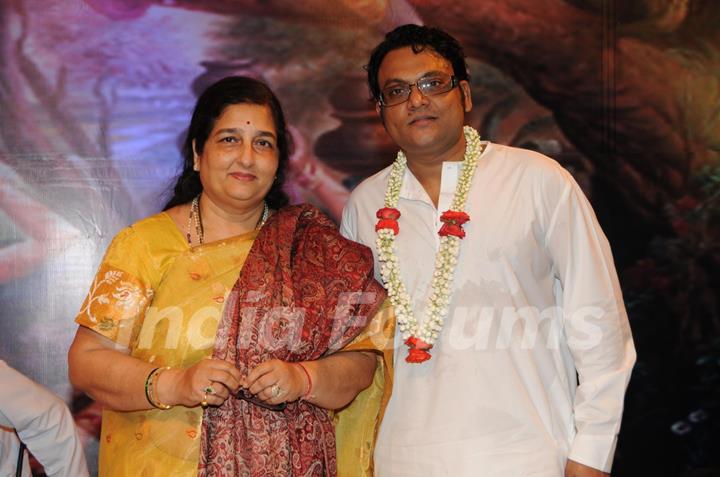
[(95, 96)]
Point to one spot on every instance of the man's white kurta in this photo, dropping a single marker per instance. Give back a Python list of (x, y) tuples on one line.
[(535, 305)]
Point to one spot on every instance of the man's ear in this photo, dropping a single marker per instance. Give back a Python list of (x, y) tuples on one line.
[(381, 111), (466, 94)]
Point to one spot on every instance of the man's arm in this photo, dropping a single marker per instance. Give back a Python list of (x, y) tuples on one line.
[(43, 422), (595, 324)]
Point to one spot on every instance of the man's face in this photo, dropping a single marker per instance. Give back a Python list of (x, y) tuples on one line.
[(423, 124)]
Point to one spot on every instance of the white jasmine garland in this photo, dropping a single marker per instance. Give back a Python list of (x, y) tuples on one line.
[(445, 260)]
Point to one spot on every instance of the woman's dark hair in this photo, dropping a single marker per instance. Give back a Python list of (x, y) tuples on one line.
[(418, 38), (210, 105)]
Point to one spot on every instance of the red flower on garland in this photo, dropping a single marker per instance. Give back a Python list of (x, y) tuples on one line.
[(388, 219), (418, 350), (452, 223)]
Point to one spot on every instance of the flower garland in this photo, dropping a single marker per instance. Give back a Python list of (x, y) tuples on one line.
[(420, 338)]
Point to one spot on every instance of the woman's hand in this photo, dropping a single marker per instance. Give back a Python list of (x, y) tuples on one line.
[(276, 381), (209, 382)]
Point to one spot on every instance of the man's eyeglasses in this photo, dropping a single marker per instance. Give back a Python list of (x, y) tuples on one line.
[(246, 396), (429, 86)]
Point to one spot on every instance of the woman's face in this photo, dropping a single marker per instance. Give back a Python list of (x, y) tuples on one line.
[(240, 158)]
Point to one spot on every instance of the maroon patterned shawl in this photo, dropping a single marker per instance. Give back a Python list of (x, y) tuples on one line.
[(298, 262)]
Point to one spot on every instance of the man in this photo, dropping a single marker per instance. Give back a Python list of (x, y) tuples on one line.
[(32, 414), (520, 303)]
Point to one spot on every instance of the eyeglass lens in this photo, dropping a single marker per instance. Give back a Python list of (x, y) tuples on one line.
[(429, 86)]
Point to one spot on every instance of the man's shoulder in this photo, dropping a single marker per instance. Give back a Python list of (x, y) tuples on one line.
[(365, 200), (374, 182), (532, 165), (372, 187), (529, 158)]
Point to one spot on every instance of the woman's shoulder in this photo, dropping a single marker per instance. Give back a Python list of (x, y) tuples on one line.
[(146, 247), (156, 232), (301, 220), (159, 227), (322, 230)]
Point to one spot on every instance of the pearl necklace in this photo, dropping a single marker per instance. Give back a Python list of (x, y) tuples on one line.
[(420, 338), (196, 218)]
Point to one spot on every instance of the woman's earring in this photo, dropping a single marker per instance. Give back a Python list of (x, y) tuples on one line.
[(196, 167)]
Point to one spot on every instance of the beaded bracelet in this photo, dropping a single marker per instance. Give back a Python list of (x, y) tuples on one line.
[(151, 388), (310, 383)]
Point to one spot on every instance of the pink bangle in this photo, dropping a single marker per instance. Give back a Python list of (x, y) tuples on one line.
[(309, 379)]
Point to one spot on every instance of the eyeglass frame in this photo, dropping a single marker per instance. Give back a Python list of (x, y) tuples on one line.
[(251, 398), (454, 82)]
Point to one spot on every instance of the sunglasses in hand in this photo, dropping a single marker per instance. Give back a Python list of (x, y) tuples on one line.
[(245, 395)]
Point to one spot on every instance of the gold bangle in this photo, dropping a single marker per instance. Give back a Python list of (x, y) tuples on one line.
[(151, 388), (147, 386)]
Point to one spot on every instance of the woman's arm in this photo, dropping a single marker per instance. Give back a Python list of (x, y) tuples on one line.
[(116, 380), (336, 379)]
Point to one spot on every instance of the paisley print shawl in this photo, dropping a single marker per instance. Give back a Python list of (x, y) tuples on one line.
[(303, 292)]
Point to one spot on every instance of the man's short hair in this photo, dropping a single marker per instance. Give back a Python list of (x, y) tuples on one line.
[(418, 38)]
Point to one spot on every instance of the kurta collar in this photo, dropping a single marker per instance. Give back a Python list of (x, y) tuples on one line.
[(412, 189)]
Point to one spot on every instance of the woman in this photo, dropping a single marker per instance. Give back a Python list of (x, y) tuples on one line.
[(204, 372)]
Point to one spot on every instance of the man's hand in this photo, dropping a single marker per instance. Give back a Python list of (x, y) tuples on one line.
[(576, 469)]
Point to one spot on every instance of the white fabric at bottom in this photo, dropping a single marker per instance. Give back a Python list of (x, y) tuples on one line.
[(43, 422), (9, 450)]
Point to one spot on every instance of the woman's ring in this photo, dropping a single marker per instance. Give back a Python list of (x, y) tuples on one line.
[(276, 390)]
